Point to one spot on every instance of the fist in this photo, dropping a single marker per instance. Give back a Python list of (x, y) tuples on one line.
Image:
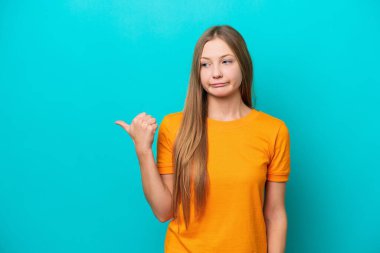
[(141, 130)]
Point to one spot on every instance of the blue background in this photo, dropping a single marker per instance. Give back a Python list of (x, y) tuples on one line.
[(69, 177)]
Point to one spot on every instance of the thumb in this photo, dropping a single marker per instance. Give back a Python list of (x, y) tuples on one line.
[(123, 125)]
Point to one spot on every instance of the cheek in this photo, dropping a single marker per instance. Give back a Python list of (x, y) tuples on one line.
[(234, 73), (204, 77)]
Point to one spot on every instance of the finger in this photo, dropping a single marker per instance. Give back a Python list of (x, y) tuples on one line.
[(146, 117), (151, 120), (139, 118), (153, 126), (123, 125), (140, 115)]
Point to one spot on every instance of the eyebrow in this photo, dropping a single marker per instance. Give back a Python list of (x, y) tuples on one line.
[(219, 57)]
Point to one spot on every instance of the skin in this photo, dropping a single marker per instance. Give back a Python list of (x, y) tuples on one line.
[(219, 65), (275, 216), (158, 189), (142, 130), (224, 103)]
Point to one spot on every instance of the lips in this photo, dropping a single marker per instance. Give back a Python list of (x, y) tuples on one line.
[(218, 84)]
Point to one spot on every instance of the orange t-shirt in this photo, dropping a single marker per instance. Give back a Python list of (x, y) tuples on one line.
[(243, 155)]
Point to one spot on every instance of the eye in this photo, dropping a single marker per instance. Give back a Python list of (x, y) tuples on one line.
[(203, 64), (229, 61)]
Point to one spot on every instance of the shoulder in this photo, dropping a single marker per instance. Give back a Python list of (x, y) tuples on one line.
[(270, 119), (274, 130), (172, 119), (173, 116), (271, 123), (171, 122)]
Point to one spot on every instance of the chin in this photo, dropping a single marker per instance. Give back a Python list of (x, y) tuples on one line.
[(220, 94)]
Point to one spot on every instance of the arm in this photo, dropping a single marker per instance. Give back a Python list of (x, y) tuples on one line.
[(156, 191), (275, 216)]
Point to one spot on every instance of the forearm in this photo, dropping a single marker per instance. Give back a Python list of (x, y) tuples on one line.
[(155, 191), (276, 232)]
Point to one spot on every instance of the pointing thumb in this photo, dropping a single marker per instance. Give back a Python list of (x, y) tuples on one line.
[(123, 125)]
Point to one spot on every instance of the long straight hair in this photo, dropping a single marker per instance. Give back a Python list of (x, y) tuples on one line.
[(191, 147)]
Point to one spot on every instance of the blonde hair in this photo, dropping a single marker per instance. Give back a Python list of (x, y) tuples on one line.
[(191, 147)]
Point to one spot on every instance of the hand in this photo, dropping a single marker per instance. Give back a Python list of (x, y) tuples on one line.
[(141, 130)]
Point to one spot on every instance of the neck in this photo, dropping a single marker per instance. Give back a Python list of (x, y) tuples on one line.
[(227, 108)]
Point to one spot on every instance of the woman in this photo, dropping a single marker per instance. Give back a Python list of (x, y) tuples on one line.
[(217, 157)]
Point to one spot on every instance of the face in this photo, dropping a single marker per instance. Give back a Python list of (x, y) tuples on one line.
[(220, 71)]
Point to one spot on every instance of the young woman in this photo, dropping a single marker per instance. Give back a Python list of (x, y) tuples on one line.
[(217, 157)]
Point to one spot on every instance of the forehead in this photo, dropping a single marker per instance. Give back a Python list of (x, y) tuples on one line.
[(216, 48)]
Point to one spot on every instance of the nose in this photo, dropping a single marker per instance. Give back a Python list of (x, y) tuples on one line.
[(216, 72)]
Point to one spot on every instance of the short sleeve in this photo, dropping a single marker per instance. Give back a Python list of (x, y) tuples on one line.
[(164, 149), (279, 166)]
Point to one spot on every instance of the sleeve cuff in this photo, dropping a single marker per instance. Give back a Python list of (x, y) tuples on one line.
[(165, 169), (277, 178)]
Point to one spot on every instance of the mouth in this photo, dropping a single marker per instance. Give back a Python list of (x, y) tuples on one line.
[(218, 84)]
